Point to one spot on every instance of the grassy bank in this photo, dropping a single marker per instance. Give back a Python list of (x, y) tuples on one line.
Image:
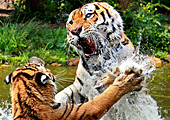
[(20, 41), (143, 23)]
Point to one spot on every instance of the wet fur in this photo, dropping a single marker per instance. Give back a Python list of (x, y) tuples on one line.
[(33, 90), (105, 28)]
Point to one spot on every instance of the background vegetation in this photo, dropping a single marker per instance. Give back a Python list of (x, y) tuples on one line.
[(33, 28), (20, 41)]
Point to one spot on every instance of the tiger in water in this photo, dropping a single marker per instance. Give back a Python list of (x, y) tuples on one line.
[(33, 92), (95, 31), (89, 28)]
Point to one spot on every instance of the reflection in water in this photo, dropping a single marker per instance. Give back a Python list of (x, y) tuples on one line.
[(159, 88)]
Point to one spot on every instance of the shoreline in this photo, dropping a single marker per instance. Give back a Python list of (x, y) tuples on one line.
[(73, 62)]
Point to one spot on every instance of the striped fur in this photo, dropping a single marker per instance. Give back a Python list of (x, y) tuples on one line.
[(33, 89), (91, 29)]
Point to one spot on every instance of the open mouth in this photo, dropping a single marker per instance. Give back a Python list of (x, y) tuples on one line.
[(88, 46)]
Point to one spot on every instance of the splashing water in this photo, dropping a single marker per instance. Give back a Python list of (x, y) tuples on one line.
[(134, 105), (5, 113)]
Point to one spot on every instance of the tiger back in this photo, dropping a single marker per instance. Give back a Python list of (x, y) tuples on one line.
[(33, 89)]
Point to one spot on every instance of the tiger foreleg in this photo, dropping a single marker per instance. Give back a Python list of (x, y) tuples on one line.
[(108, 79), (98, 106)]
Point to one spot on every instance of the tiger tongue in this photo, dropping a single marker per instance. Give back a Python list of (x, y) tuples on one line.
[(90, 43), (94, 52), (91, 46)]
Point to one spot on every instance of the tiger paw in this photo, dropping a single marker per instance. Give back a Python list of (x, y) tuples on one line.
[(129, 81), (107, 79)]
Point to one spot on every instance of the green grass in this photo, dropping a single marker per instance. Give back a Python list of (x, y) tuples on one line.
[(20, 41), (147, 26)]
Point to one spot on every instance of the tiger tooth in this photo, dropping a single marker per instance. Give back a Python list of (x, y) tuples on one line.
[(89, 40), (87, 55), (78, 44)]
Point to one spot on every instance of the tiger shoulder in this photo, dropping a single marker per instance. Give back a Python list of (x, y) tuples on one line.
[(33, 89)]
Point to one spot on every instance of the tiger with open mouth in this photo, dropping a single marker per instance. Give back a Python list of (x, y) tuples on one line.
[(92, 29), (95, 31)]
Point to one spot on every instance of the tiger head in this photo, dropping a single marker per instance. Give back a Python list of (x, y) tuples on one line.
[(33, 78), (92, 27)]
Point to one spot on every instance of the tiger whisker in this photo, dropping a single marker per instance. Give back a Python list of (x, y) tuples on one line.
[(66, 80), (59, 84), (61, 73)]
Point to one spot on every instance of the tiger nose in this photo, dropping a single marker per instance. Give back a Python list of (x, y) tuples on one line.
[(76, 31)]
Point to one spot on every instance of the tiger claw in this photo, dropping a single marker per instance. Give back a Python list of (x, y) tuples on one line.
[(137, 88), (129, 81), (137, 80), (108, 79), (133, 70)]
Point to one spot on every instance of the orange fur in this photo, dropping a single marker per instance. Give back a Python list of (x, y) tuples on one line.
[(125, 38), (32, 99), (79, 21)]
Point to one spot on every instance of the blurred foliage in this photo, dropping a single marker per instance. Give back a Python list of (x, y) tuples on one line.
[(49, 10), (164, 5), (162, 55), (33, 38), (28, 36), (144, 24), (147, 27)]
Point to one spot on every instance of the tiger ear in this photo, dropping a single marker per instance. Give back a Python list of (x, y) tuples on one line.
[(8, 79), (41, 78)]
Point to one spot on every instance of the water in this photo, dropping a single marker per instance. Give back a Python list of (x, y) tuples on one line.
[(134, 105), (65, 76), (159, 88)]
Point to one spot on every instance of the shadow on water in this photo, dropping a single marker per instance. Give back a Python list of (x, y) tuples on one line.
[(159, 88)]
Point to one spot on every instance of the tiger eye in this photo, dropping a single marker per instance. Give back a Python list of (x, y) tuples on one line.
[(71, 22), (89, 15)]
